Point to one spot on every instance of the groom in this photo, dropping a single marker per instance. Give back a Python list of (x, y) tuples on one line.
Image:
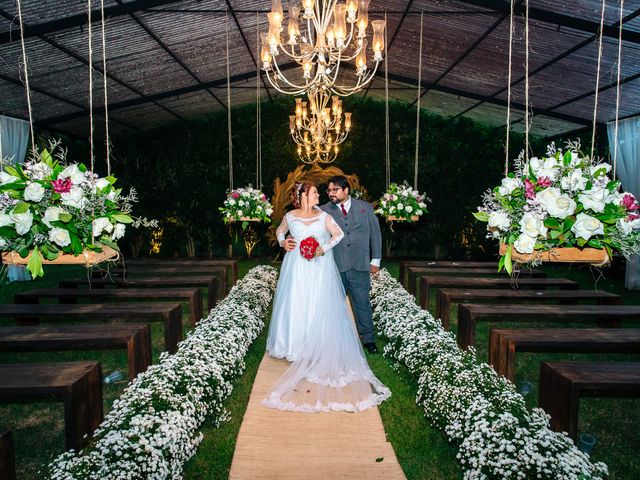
[(358, 253)]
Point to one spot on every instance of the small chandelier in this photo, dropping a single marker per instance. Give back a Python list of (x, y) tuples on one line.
[(319, 129), (326, 45)]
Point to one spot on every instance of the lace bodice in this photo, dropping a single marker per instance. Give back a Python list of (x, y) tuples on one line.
[(323, 227)]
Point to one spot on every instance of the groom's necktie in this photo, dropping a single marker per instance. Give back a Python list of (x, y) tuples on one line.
[(344, 211)]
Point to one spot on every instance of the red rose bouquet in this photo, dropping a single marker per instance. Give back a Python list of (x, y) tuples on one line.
[(308, 248)]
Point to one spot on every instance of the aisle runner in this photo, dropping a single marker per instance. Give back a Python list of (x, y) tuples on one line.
[(273, 444)]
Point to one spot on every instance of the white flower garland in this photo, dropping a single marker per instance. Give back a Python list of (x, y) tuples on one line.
[(152, 429), (497, 436)]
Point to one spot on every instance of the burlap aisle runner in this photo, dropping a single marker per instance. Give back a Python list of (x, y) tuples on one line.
[(273, 444)]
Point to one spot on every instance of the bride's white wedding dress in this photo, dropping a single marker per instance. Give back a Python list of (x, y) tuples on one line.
[(311, 326)]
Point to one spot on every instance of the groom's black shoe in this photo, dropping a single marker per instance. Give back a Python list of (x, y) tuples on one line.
[(371, 347)]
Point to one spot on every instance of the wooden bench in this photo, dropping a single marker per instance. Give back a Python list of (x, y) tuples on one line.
[(405, 264), (170, 314), (230, 265), (7, 455), (208, 282), (134, 337), (563, 383), (133, 272), (504, 343), (428, 282), (70, 296), (77, 384), (447, 296), (469, 314), (414, 273)]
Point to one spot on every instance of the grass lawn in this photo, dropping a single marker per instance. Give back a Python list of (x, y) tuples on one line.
[(423, 451)]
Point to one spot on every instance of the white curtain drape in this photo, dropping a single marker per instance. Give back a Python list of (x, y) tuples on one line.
[(14, 137), (628, 171)]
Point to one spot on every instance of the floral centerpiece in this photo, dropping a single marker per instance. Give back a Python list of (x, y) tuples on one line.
[(401, 202), (562, 201), (50, 210), (246, 205)]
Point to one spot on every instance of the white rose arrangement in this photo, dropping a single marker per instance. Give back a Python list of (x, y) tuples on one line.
[(246, 203), (562, 200), (402, 202), (49, 208)]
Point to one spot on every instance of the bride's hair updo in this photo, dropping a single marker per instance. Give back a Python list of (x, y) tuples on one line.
[(297, 190)]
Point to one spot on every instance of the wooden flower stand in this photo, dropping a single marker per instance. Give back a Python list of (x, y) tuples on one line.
[(88, 258), (594, 256), (393, 218)]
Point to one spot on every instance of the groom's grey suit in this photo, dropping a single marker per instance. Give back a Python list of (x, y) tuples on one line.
[(362, 241)]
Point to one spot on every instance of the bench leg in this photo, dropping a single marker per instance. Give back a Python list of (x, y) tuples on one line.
[(443, 307), (212, 294), (173, 330), (76, 414), (424, 294), (195, 307), (494, 350), (466, 328), (509, 367), (559, 399), (139, 352), (7, 456)]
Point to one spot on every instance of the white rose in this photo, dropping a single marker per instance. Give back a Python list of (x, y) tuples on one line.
[(532, 226), (23, 222), (232, 201), (600, 166), (52, 214), (118, 231), (59, 236), (544, 168), (574, 181), (100, 184), (547, 196), (524, 244), (5, 220), (40, 171), (422, 205), (409, 209), (586, 226), (239, 213), (241, 203), (561, 207), (498, 220), (625, 227), (73, 172), (3, 242), (6, 178), (595, 199), (74, 197), (101, 224), (400, 206), (34, 192), (509, 185)]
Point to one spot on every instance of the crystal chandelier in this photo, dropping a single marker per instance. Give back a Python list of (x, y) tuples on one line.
[(326, 44), (319, 129)]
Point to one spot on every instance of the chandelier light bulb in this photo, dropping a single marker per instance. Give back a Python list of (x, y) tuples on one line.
[(308, 8), (378, 39), (363, 18), (294, 27), (331, 38), (352, 9), (339, 24), (347, 121), (265, 52), (292, 123), (276, 10), (306, 68)]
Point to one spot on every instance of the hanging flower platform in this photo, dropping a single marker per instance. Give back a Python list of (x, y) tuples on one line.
[(402, 203), (393, 218), (87, 258), (594, 256)]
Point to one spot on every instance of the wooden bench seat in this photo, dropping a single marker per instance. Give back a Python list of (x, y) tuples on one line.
[(469, 314), (7, 455), (505, 343), (77, 384), (170, 314), (429, 282), (71, 295), (445, 297), (229, 264), (563, 383), (416, 272), (134, 337), (405, 264), (208, 282)]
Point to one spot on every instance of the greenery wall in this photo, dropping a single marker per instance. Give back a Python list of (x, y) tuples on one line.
[(181, 174)]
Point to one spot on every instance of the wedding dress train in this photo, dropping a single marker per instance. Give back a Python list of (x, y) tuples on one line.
[(312, 326)]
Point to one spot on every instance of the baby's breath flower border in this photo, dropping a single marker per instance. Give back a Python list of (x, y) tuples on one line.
[(480, 412), (152, 429)]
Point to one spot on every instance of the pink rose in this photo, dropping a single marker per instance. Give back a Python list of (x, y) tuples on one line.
[(632, 216), (529, 189), (235, 195), (263, 197), (544, 182), (629, 202), (62, 185)]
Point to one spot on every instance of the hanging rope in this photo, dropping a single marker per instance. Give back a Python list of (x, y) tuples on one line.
[(258, 106), (615, 130), (595, 101), (26, 77), (415, 168), (104, 78), (527, 125), (90, 84), (386, 109), (506, 147), (229, 108)]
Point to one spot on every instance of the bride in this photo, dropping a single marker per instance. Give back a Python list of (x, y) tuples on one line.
[(311, 324)]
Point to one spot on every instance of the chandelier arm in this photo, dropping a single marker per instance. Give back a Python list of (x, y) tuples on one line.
[(274, 83), (298, 89)]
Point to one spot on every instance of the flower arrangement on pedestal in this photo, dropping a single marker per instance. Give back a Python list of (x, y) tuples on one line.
[(54, 212), (402, 202), (562, 208)]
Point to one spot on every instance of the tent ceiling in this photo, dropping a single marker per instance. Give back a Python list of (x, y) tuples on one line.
[(166, 60)]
